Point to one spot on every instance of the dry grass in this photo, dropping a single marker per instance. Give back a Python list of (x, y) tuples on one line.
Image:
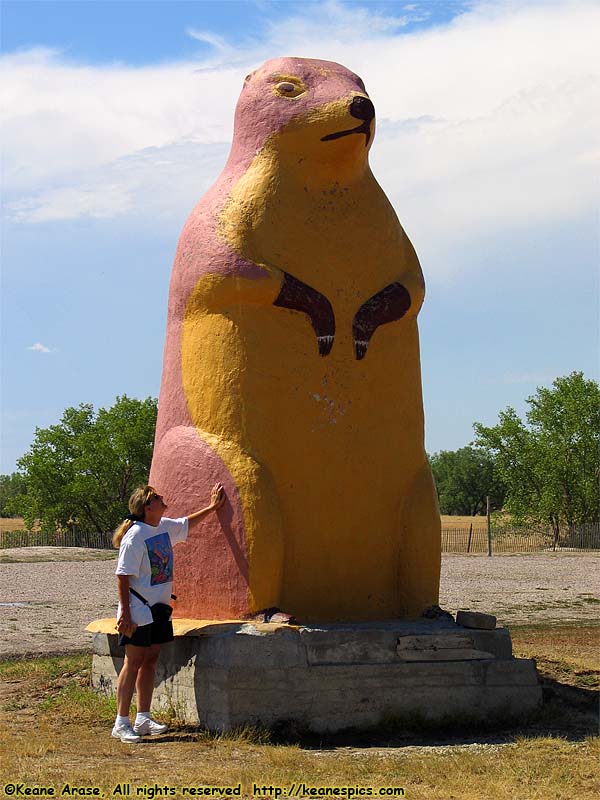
[(527, 769), (55, 729), (569, 655), (11, 524), (479, 523)]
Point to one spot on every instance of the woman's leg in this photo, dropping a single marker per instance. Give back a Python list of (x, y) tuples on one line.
[(134, 658), (145, 677)]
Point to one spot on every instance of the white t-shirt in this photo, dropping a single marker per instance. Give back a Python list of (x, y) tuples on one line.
[(146, 555)]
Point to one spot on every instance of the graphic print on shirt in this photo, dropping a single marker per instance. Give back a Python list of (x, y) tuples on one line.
[(160, 554)]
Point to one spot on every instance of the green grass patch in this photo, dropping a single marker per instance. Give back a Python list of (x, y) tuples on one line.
[(45, 667), (57, 684), (77, 703), (61, 685)]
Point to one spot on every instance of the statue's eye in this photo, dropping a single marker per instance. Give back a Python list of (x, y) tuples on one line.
[(289, 88)]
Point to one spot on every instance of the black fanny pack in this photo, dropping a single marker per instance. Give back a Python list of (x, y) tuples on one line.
[(161, 612)]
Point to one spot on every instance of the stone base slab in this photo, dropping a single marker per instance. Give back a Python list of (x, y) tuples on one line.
[(331, 677)]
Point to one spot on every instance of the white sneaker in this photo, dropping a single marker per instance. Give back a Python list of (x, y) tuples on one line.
[(150, 728), (126, 734)]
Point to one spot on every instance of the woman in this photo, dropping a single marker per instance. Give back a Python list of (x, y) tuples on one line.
[(145, 540)]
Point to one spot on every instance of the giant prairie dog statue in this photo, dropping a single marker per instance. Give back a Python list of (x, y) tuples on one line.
[(291, 370)]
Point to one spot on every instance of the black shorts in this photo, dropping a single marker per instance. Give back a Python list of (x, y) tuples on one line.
[(145, 635)]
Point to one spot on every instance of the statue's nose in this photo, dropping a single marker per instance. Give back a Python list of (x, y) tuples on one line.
[(362, 108)]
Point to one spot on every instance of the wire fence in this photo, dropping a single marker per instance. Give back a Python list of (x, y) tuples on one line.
[(69, 538), (454, 540), (518, 540)]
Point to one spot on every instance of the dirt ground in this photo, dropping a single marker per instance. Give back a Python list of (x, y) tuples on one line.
[(48, 595)]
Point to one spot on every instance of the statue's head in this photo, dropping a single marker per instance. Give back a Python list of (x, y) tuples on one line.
[(305, 109)]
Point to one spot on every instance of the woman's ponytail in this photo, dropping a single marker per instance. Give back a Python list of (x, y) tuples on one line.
[(120, 532), (137, 507)]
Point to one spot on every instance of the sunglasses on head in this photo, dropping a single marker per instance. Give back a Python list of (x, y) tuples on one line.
[(152, 497)]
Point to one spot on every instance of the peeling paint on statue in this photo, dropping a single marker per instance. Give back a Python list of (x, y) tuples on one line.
[(291, 370)]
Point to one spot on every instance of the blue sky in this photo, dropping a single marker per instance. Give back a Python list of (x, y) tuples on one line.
[(488, 121)]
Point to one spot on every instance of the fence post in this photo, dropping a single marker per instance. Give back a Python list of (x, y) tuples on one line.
[(469, 540), (489, 526)]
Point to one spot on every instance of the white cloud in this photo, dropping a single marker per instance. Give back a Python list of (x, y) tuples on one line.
[(332, 21), (219, 44), (38, 347), (543, 376), (487, 122), (153, 184), (100, 202), (62, 118)]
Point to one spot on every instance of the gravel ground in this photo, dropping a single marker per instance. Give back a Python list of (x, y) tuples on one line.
[(45, 604)]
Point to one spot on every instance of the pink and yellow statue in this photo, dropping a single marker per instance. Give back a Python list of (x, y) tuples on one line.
[(291, 370)]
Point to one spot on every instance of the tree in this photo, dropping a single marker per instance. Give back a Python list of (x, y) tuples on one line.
[(464, 478), (551, 463), (11, 487), (82, 471)]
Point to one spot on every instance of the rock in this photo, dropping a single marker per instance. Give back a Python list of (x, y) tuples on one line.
[(475, 619), (435, 612)]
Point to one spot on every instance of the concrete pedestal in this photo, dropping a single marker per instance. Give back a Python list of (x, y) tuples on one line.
[(330, 677)]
